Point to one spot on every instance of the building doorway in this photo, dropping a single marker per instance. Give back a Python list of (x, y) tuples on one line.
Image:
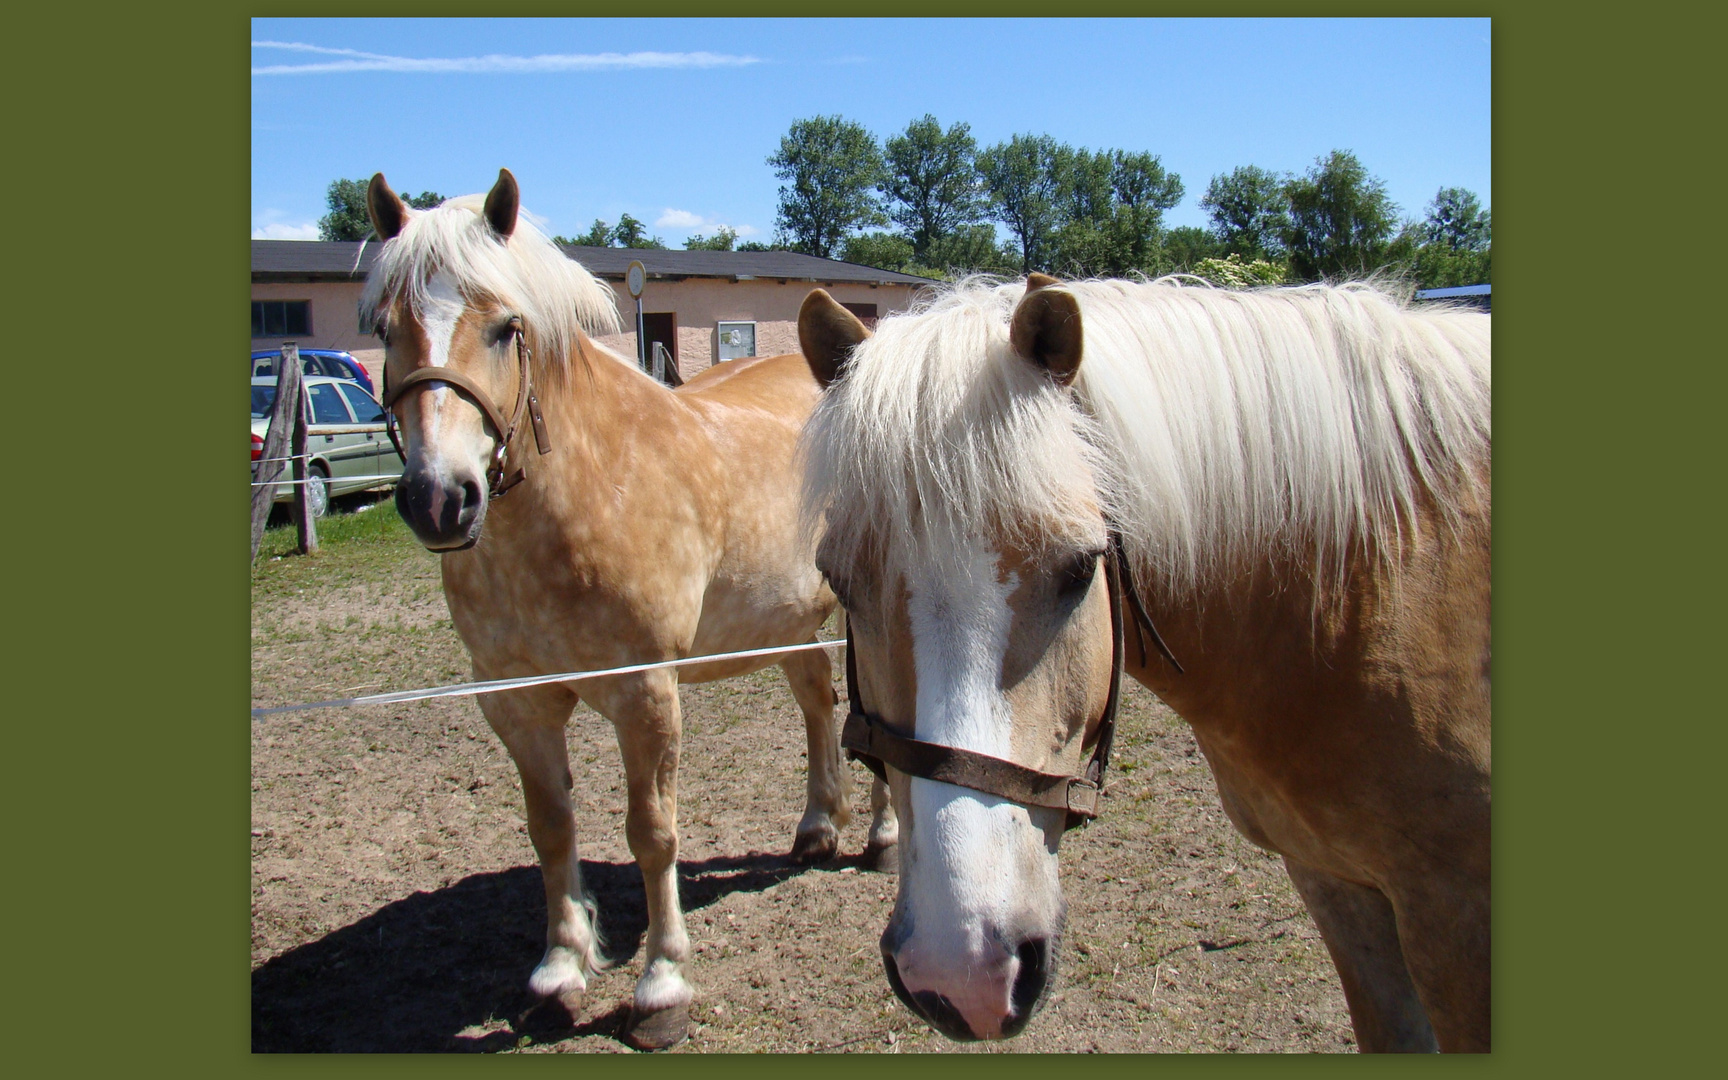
[(661, 326), (866, 314)]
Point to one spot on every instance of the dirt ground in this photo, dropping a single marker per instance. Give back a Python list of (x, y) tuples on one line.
[(396, 905)]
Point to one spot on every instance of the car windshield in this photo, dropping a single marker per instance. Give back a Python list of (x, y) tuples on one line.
[(263, 397)]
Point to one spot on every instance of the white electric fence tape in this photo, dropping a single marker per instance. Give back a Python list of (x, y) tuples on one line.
[(289, 482), (473, 688)]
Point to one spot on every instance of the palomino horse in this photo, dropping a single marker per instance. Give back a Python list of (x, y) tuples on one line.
[(637, 524), (1297, 480)]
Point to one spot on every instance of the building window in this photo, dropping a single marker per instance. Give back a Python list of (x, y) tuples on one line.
[(737, 339), (866, 314), (281, 318)]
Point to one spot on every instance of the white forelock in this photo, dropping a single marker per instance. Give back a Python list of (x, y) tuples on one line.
[(1210, 425), (555, 296)]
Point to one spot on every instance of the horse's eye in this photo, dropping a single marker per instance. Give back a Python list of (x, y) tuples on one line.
[(1077, 573)]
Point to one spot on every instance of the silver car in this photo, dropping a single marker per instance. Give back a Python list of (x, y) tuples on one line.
[(345, 440)]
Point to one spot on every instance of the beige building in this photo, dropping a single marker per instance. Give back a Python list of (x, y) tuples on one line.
[(703, 306)]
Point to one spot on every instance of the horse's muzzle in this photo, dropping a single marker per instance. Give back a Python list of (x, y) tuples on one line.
[(445, 512), (1030, 985)]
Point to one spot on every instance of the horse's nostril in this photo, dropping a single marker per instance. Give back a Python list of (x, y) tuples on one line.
[(933, 1008), (1030, 984)]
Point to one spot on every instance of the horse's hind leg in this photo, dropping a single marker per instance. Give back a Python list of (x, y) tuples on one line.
[(1361, 933), (644, 710), (828, 785), (531, 724)]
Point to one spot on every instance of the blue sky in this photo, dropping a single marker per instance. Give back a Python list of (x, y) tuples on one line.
[(671, 120)]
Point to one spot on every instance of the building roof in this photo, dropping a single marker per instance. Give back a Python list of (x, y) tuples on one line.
[(347, 260), (1455, 290)]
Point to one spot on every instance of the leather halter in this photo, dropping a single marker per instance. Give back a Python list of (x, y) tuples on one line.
[(496, 480), (868, 738)]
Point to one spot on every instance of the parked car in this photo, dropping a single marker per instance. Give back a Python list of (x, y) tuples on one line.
[(332, 362), (345, 440)]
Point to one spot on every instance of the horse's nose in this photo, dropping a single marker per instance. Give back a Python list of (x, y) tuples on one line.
[(443, 511), (989, 996)]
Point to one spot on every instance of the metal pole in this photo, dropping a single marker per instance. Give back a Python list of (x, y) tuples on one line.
[(641, 342)]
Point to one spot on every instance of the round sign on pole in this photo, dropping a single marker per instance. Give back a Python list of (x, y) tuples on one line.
[(636, 277)]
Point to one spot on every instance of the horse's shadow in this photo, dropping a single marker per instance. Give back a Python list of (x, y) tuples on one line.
[(417, 972)]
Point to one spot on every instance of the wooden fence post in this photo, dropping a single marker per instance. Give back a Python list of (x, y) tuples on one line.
[(305, 522), (276, 441)]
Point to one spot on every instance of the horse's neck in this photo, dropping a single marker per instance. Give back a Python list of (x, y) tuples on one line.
[(597, 413)]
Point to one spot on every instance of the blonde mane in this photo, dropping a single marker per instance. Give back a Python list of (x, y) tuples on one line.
[(1210, 426), (556, 297)]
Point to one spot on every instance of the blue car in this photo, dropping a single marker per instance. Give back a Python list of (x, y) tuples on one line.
[(331, 362)]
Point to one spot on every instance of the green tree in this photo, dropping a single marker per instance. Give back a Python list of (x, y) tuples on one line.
[(832, 167), (1143, 190), (1250, 212), (628, 233), (598, 235), (1456, 219), (971, 249), (1024, 179), (883, 250), (724, 239), (1112, 204), (1439, 265), (1185, 246), (349, 219), (631, 233), (1341, 220), (931, 181)]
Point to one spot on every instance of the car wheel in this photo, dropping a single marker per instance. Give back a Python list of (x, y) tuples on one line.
[(318, 491)]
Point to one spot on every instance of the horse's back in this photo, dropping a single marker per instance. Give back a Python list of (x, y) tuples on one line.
[(780, 383)]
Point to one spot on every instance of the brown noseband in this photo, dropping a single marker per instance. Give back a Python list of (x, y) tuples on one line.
[(497, 482), (868, 738)]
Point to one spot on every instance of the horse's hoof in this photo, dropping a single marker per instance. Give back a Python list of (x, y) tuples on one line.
[(883, 858), (818, 845), (658, 1030)]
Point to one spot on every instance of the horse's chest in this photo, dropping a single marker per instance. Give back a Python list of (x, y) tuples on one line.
[(549, 619)]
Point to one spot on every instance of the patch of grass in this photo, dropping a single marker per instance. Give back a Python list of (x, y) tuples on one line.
[(356, 546)]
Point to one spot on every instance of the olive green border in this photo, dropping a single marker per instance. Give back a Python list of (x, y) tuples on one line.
[(128, 749)]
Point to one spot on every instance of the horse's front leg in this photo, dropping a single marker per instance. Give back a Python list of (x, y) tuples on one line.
[(828, 784), (644, 710), (531, 724)]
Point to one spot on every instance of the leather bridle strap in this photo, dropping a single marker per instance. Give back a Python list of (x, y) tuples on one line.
[(1142, 621), (867, 738), (504, 431)]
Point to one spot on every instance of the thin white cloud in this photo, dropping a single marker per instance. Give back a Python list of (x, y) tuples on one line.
[(277, 230), (684, 219), (354, 60), (680, 219)]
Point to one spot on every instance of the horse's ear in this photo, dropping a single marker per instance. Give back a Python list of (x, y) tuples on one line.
[(1046, 329), (502, 203), (827, 333), (388, 213)]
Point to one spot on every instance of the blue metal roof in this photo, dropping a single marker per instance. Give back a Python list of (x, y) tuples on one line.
[(1456, 290)]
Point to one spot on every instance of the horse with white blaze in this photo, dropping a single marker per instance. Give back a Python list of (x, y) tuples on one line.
[(589, 518), (1290, 491)]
